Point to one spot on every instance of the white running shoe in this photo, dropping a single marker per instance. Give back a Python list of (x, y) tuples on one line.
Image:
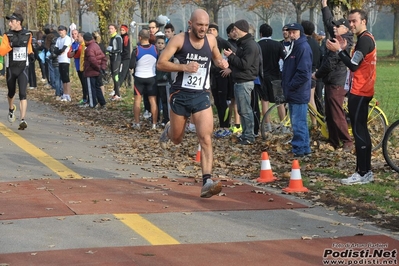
[(11, 115), (367, 178), (112, 93), (353, 179)]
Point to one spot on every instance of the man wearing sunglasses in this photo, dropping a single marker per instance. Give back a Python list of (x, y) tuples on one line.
[(333, 72)]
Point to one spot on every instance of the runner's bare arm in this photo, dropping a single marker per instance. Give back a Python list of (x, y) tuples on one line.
[(173, 46)]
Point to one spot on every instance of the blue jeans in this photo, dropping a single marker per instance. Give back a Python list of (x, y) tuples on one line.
[(300, 141), (242, 94), (55, 79)]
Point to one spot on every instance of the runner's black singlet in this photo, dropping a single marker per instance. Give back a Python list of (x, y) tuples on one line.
[(198, 81)]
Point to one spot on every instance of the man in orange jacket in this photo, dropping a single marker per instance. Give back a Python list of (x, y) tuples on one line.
[(17, 49)]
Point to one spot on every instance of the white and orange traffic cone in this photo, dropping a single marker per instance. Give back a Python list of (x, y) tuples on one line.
[(266, 173), (295, 184), (198, 156)]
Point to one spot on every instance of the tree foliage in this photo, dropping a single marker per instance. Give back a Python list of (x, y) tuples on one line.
[(211, 6)]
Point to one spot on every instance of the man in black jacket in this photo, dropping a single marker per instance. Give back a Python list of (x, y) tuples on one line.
[(333, 72), (245, 66), (220, 86)]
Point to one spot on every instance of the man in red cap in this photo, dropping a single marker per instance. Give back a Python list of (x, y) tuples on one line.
[(17, 47)]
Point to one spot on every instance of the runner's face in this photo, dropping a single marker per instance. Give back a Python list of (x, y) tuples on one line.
[(123, 31), (199, 26), (13, 24)]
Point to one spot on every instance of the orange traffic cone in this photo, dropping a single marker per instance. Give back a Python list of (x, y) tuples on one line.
[(266, 173), (295, 184), (198, 156)]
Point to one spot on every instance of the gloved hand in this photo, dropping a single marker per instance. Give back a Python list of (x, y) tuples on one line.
[(31, 58), (109, 48)]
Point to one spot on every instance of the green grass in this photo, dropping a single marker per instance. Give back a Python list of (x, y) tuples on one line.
[(382, 195), (386, 87)]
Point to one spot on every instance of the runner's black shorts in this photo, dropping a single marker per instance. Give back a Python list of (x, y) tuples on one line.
[(145, 85), (185, 103)]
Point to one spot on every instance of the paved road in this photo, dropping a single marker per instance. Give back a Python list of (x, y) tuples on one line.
[(64, 200)]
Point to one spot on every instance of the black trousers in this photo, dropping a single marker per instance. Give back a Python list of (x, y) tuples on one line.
[(358, 111)]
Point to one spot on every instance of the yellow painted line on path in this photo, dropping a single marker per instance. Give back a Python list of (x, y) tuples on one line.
[(57, 167), (146, 229)]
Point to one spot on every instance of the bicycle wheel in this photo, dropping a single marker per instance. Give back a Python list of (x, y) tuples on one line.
[(390, 146), (377, 126), (275, 126)]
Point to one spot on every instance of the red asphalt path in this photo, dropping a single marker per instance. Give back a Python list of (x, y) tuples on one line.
[(46, 198)]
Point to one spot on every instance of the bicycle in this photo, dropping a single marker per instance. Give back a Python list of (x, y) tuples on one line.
[(377, 120), (390, 146)]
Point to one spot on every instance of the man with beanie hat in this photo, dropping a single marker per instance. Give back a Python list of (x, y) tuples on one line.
[(220, 86), (245, 66), (296, 83), (95, 63)]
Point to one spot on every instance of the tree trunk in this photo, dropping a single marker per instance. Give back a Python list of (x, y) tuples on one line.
[(395, 50), (80, 21), (298, 16), (215, 13), (311, 15)]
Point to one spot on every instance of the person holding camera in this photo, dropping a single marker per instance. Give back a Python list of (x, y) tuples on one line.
[(361, 80), (333, 72)]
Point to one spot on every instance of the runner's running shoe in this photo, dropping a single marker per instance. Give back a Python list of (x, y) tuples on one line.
[(211, 188), (22, 125), (11, 114)]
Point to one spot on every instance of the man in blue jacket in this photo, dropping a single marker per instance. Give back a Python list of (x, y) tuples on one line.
[(296, 83)]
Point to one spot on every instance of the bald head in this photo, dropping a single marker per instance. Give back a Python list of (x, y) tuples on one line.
[(198, 13), (199, 23)]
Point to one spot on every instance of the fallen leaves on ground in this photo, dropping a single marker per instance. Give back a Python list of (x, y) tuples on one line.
[(231, 160)]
